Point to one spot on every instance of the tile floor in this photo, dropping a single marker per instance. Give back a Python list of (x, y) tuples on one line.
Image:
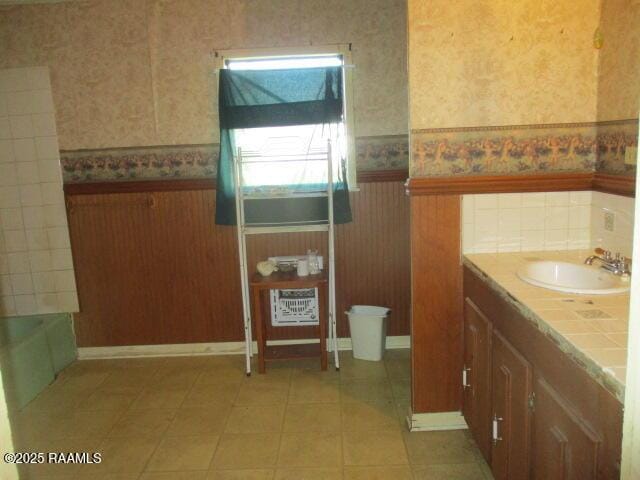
[(202, 418)]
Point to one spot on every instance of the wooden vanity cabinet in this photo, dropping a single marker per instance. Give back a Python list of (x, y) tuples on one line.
[(552, 419), (476, 376), (511, 401), (566, 446)]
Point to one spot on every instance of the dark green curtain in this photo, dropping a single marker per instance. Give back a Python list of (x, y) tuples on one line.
[(275, 98)]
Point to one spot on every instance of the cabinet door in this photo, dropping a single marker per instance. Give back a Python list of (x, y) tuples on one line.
[(477, 376), (511, 418), (565, 447)]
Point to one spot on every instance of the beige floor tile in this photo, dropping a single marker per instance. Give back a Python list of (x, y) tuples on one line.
[(56, 400), (313, 449), (255, 419), (240, 451), (193, 475), (401, 388), (240, 475), (135, 379), (351, 369), (175, 377), (252, 393), (276, 372), (200, 421), (397, 354), (111, 476), (166, 415), (466, 471), (36, 425), (309, 474), (378, 473), (313, 390), (84, 381), (110, 399), (148, 364), (62, 445), (403, 409), (125, 455), (309, 368), (322, 417), (73, 424), (88, 424), (230, 373), (486, 469), (374, 448), (143, 423), (159, 397), (445, 447), (210, 394), (398, 369), (183, 453), (365, 390), (374, 415)]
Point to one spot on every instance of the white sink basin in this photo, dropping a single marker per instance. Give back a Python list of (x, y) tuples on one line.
[(572, 278)]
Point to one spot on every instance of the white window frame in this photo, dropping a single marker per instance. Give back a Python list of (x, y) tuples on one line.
[(221, 57)]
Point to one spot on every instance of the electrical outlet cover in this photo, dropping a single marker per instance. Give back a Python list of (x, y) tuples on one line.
[(609, 221)]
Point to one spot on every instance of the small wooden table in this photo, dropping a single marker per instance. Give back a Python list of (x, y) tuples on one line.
[(283, 280)]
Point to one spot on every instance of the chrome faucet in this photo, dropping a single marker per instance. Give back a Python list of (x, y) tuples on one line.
[(616, 264)]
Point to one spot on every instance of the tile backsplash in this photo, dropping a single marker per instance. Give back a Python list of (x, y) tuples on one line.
[(514, 222), (620, 212), (36, 269)]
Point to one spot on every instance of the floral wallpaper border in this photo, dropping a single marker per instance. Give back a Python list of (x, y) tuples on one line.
[(382, 153), (139, 163), (523, 149), (504, 150), (200, 161), (613, 139)]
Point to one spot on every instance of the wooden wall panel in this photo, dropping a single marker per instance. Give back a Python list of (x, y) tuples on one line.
[(373, 260), (436, 323), (153, 268)]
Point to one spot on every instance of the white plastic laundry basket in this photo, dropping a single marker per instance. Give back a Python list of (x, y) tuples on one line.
[(368, 327)]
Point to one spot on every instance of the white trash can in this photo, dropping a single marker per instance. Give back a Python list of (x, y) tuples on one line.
[(368, 327)]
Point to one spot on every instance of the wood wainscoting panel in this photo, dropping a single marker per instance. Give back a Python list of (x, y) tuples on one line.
[(436, 317), (616, 184), (153, 268), (373, 261), (153, 273)]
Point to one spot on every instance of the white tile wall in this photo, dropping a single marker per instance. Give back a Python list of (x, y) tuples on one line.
[(36, 269), (514, 222), (623, 209)]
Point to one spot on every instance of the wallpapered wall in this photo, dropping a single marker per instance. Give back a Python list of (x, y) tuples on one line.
[(530, 68), (619, 65), (618, 82), (129, 73)]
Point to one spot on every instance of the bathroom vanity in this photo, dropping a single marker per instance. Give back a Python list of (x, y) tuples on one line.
[(543, 380)]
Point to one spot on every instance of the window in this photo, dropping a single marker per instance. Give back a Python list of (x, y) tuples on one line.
[(305, 142)]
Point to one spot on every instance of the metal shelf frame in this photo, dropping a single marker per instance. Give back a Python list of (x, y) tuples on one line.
[(244, 229)]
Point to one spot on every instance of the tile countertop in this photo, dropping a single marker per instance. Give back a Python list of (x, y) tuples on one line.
[(592, 329)]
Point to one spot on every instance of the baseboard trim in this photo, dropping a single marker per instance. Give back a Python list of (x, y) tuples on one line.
[(213, 348), (425, 422)]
